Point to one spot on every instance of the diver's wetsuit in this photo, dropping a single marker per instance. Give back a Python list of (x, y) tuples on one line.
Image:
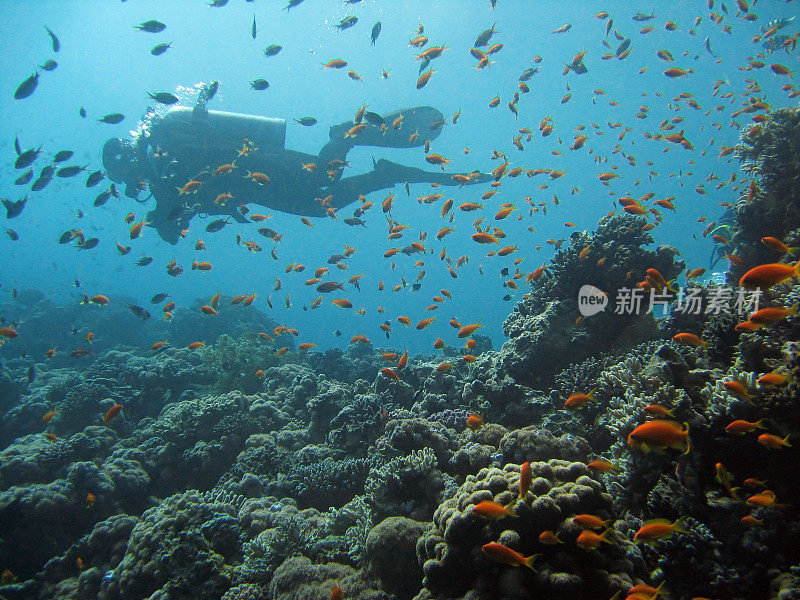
[(185, 145)]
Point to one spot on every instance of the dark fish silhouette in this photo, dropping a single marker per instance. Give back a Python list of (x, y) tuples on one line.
[(53, 40), (139, 312), (12, 234), (70, 171), (259, 84), (376, 31), (82, 112), (253, 31), (306, 121), (89, 243), (24, 178), (112, 118), (26, 158), (40, 184), (484, 37), (159, 49), (151, 26), (13, 209), (49, 65), (374, 118), (158, 298), (164, 97), (144, 261), (217, 225), (346, 23), (272, 49), (62, 155), (94, 178), (102, 198)]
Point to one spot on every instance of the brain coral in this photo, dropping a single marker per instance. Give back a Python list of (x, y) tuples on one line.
[(451, 548)]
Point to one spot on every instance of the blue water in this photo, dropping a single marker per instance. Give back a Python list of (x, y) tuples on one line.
[(105, 65)]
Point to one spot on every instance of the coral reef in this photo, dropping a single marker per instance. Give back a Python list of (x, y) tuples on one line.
[(233, 472), (543, 334), (450, 548)]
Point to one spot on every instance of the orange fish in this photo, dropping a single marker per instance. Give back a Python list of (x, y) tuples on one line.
[(48, 416), (549, 538), (747, 327), (158, 346), (492, 510), (424, 79), (505, 555), (660, 434), (773, 379), (525, 479), (337, 593), (425, 322), (474, 422), (657, 410), (8, 332), (112, 412), (688, 339), (390, 373), (589, 540), (772, 314), (468, 330), (740, 426), (765, 276), (90, 500), (402, 361), (484, 238), (579, 400), (602, 466), (590, 521), (773, 442), (762, 499), (778, 246), (656, 529), (191, 187)]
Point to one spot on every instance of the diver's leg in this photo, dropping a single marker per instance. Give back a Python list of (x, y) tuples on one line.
[(387, 174), (337, 147), (397, 173)]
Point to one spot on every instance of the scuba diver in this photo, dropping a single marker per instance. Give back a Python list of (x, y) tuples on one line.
[(204, 162), (774, 41), (725, 228)]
